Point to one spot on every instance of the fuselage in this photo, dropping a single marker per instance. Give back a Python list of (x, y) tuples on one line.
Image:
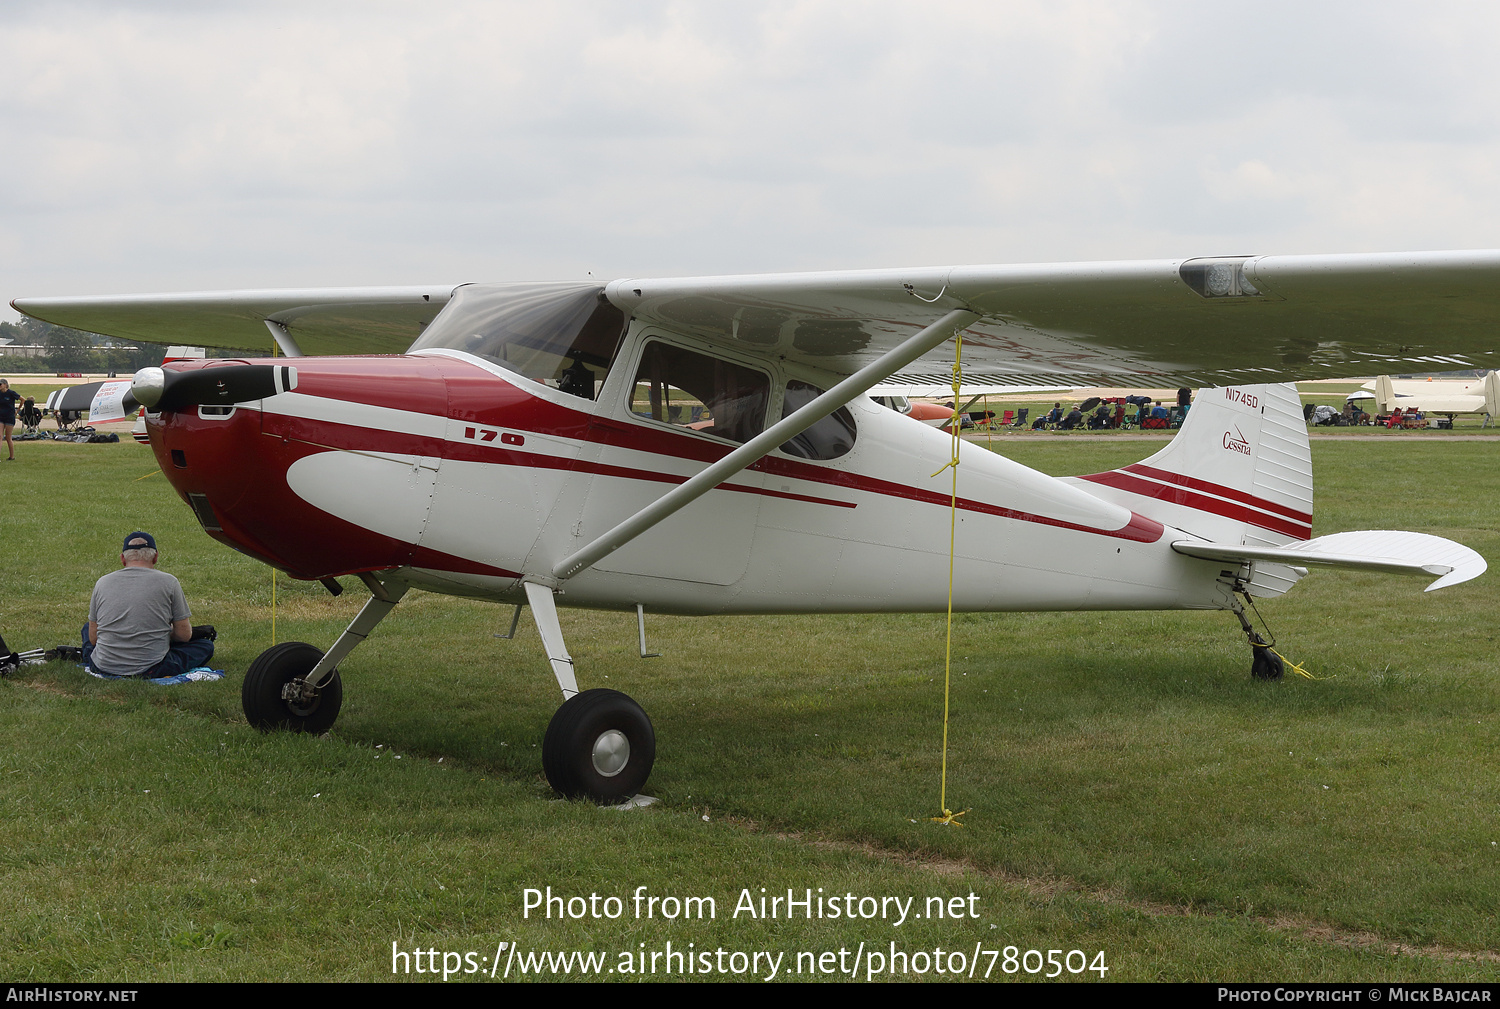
[(465, 478)]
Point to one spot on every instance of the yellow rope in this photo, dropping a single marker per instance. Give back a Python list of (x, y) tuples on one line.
[(152, 473), (950, 818), (1289, 664)]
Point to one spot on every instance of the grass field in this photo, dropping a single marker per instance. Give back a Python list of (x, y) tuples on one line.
[(1134, 793)]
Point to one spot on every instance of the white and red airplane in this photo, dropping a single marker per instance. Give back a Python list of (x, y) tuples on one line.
[(548, 444)]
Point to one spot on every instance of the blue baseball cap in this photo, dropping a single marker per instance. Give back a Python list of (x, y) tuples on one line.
[(139, 541)]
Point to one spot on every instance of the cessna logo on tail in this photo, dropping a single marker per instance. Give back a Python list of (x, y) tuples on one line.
[(1236, 442)]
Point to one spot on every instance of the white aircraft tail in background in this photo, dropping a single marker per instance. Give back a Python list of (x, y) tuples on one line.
[(1450, 396)]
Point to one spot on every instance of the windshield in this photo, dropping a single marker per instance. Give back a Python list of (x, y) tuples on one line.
[(561, 334)]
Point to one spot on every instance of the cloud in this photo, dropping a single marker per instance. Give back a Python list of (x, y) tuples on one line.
[(168, 146)]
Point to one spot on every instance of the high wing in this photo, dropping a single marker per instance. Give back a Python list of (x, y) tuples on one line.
[(328, 320), (1195, 322), (980, 385)]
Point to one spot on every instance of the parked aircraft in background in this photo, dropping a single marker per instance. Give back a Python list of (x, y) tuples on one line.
[(1437, 395), (931, 414), (548, 444)]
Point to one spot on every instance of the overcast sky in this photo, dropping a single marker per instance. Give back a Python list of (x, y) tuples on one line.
[(185, 146)]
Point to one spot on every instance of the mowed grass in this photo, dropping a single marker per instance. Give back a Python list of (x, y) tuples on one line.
[(1132, 790)]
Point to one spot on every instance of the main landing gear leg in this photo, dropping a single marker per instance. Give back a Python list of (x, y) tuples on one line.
[(294, 686), (1264, 663), (600, 744)]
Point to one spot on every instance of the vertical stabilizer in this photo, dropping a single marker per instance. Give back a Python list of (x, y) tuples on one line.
[(1238, 472), (1385, 394)]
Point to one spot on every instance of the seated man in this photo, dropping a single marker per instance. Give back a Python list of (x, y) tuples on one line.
[(139, 623)]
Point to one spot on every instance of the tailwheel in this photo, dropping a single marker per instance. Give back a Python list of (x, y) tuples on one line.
[(599, 745), (275, 694), (1264, 664)]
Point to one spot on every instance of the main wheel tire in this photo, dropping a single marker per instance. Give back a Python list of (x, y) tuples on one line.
[(600, 744), (274, 668)]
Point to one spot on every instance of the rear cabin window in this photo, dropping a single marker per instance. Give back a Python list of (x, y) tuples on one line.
[(829, 438), (691, 390)]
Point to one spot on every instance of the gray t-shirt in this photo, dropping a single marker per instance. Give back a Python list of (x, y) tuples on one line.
[(135, 609)]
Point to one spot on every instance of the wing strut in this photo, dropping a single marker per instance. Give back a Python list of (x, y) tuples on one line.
[(284, 339), (749, 453)]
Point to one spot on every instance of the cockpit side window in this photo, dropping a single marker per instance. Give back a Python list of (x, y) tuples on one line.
[(691, 390), (829, 438)]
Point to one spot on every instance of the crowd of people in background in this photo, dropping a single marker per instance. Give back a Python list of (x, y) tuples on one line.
[(1117, 412)]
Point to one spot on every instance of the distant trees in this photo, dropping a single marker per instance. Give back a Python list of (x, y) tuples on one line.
[(74, 350), (67, 349)]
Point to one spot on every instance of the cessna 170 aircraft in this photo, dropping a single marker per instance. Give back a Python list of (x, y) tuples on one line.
[(548, 444)]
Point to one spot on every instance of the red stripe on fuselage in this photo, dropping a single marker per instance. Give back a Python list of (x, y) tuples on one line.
[(354, 438), (1139, 528), (1198, 502), (1227, 492), (457, 390)]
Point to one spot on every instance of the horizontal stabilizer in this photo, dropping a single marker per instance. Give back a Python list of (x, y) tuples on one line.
[(1370, 550)]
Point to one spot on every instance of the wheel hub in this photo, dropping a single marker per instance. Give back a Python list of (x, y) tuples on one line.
[(611, 752), (301, 698)]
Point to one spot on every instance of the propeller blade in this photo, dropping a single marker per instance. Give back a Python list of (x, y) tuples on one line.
[(80, 399), (162, 390), (73, 397)]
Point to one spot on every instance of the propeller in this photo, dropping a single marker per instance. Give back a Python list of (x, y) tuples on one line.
[(160, 390), (74, 398)]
